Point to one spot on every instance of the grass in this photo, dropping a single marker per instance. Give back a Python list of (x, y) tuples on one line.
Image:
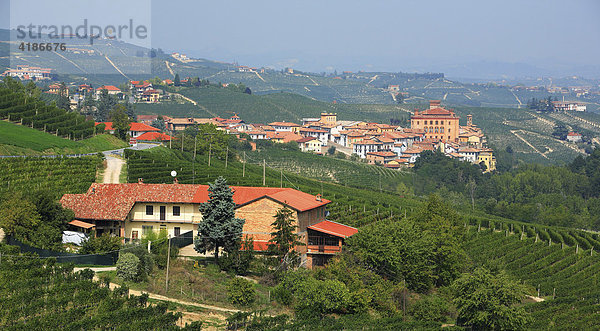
[(21, 140), (205, 284)]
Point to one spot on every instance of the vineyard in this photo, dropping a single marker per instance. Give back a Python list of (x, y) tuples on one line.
[(28, 111), (560, 265), (350, 205), (345, 172), (37, 294), (57, 175)]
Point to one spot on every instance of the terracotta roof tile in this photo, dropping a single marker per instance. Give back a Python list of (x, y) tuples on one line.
[(114, 201), (334, 229)]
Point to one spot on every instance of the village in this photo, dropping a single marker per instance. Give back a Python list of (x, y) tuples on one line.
[(390, 146)]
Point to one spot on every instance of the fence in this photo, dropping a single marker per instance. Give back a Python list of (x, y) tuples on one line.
[(184, 239), (63, 257)]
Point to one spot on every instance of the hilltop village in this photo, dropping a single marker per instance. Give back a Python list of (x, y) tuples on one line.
[(391, 146)]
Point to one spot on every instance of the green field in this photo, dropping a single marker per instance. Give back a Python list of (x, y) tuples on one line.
[(21, 140)]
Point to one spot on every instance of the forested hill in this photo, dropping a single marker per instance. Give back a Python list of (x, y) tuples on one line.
[(552, 195)]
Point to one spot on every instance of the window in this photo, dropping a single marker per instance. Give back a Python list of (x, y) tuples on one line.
[(146, 229), (163, 213), (149, 210), (442, 122), (177, 231), (163, 227), (176, 211), (436, 122), (134, 235)]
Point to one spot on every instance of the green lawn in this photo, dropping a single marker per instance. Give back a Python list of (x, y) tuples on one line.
[(21, 140)]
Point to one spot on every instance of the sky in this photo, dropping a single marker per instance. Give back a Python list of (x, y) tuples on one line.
[(374, 35)]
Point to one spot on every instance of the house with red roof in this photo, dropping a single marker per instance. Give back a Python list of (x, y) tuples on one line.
[(574, 137), (150, 96), (154, 137), (135, 129), (135, 209), (112, 90), (310, 144)]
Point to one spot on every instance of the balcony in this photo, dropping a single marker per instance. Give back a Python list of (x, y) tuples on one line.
[(323, 245)]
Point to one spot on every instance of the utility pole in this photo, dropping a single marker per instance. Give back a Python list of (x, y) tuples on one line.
[(168, 260), (170, 139), (244, 166), (209, 152), (195, 138), (226, 156), (264, 172), (281, 179), (182, 138), (194, 162)]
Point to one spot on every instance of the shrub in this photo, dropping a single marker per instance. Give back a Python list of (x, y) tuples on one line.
[(128, 267), (430, 308), (104, 243), (241, 291)]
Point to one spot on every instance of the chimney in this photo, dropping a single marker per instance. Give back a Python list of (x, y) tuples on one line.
[(140, 180), (318, 197), (175, 181), (434, 104), (93, 190)]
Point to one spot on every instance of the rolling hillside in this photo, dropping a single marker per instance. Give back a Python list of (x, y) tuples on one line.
[(565, 276), (21, 140), (112, 62)]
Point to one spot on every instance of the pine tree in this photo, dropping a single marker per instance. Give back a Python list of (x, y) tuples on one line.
[(284, 239), (177, 80), (219, 227)]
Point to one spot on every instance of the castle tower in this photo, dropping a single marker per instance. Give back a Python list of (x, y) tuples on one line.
[(469, 120)]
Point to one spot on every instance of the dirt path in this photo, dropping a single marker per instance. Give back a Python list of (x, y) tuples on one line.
[(113, 170), (527, 142), (158, 296), (112, 64), (536, 299), (169, 68)]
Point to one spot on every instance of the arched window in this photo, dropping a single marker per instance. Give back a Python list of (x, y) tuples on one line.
[(436, 122)]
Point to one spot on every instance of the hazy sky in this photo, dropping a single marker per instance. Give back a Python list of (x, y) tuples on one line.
[(375, 35)]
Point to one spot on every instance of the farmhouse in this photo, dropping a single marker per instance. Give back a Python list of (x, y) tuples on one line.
[(309, 144), (133, 210), (135, 129), (574, 137)]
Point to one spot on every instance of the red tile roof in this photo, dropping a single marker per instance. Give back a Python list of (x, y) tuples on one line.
[(306, 139), (109, 88), (154, 136), (139, 127), (334, 229), (573, 134), (114, 201)]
